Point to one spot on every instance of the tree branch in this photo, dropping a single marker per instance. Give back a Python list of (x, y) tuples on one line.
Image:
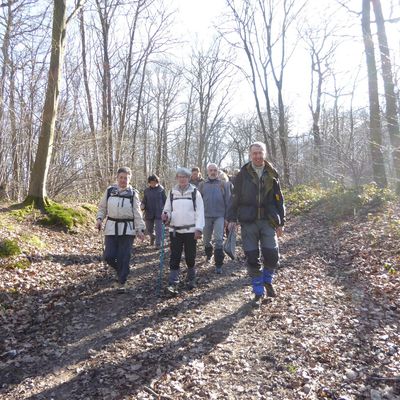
[(78, 6)]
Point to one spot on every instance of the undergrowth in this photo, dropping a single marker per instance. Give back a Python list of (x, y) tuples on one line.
[(9, 247), (338, 202), (56, 214)]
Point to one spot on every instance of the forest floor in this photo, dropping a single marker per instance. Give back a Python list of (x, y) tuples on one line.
[(332, 332)]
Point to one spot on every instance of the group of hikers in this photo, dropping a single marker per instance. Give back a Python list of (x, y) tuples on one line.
[(198, 208)]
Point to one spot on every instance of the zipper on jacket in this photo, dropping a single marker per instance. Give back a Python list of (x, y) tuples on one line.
[(259, 198)]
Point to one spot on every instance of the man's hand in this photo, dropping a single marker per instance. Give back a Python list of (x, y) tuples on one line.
[(197, 234), (232, 225), (164, 217), (279, 231), (98, 224)]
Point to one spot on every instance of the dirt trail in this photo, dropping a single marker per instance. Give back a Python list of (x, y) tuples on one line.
[(330, 333)]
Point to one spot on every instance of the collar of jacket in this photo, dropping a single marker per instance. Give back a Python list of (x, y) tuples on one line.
[(120, 190), (268, 167), (187, 189)]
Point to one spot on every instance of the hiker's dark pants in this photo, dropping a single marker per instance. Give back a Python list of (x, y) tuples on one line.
[(178, 242), (117, 254), (255, 235), (157, 224)]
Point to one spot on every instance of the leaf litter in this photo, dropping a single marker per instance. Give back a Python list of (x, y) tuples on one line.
[(332, 332)]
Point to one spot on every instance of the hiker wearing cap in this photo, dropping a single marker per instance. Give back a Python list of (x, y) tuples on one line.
[(120, 206), (257, 203), (195, 177), (184, 213), (216, 198), (152, 204)]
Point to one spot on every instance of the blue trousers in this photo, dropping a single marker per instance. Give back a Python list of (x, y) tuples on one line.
[(117, 254)]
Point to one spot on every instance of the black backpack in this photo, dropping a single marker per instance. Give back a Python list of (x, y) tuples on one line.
[(113, 191), (194, 193)]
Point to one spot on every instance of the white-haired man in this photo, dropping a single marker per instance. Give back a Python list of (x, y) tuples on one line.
[(216, 197), (257, 203)]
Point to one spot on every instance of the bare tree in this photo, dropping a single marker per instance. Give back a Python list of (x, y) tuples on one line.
[(321, 52), (208, 74), (392, 116), (375, 119), (263, 30), (37, 194)]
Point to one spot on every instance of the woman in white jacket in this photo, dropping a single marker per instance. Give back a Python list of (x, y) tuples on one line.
[(184, 212), (120, 204)]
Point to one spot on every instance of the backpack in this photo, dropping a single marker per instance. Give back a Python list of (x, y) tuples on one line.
[(113, 191), (194, 193)]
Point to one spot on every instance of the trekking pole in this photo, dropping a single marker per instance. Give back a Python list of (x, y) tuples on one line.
[(161, 270)]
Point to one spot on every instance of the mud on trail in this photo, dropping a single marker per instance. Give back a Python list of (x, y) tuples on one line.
[(332, 332)]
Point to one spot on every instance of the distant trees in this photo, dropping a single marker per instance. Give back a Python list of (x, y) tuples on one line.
[(124, 97)]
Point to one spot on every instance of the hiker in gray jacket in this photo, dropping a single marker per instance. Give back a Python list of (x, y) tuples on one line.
[(120, 205), (216, 198)]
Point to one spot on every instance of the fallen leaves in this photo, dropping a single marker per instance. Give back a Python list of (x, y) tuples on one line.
[(65, 333)]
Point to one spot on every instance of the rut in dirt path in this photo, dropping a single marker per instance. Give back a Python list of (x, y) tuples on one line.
[(322, 336)]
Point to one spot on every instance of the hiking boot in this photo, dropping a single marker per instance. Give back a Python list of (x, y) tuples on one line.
[(218, 269), (191, 284), (270, 290), (172, 289), (257, 300)]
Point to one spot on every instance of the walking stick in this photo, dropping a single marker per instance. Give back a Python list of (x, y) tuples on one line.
[(161, 270), (102, 239)]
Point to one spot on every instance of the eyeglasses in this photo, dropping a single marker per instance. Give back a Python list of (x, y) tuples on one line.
[(182, 176)]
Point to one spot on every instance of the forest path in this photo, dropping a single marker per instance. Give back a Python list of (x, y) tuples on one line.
[(331, 333)]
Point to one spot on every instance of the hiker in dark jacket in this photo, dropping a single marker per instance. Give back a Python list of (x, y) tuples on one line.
[(120, 207), (257, 203), (216, 198), (152, 205)]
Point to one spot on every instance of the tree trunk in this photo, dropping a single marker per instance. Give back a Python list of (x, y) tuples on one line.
[(15, 140), (138, 109), (390, 97), (37, 194), (3, 79), (378, 166)]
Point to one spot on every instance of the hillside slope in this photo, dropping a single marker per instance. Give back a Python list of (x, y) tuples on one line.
[(332, 332)]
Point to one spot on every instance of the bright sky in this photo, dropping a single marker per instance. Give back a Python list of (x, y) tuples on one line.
[(196, 20)]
